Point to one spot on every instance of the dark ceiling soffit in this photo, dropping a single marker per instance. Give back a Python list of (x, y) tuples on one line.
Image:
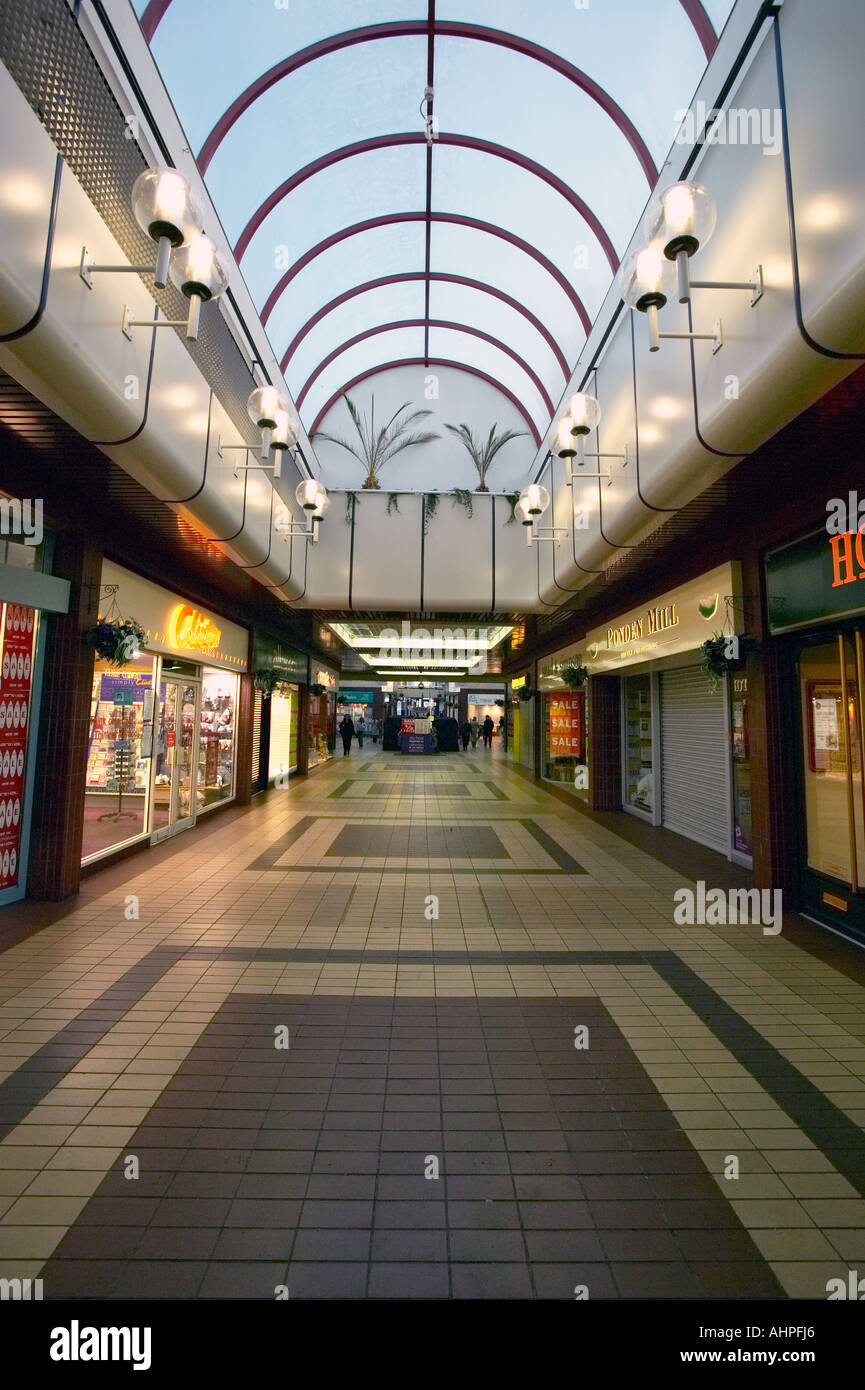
[(456, 219), (421, 323), (445, 29), (420, 275), (430, 362), (417, 137)]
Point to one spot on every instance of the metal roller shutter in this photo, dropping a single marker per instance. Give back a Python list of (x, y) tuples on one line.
[(694, 762)]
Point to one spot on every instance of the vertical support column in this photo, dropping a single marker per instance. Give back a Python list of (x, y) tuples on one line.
[(605, 745), (243, 741), (57, 829)]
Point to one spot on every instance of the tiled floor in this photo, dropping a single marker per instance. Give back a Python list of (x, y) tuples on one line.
[(421, 1030)]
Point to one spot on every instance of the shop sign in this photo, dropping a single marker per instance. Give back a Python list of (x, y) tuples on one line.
[(815, 579), (190, 630), (357, 697), (566, 723), (518, 683), (323, 677), (292, 665), (679, 621), (17, 637), (173, 625)]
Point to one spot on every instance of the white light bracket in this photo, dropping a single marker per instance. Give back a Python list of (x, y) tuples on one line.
[(87, 269), (580, 472), (275, 468), (190, 323), (716, 337), (556, 534), (304, 533), (686, 284)]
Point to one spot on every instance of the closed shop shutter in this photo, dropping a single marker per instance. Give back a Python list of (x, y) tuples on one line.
[(694, 758), (256, 738)]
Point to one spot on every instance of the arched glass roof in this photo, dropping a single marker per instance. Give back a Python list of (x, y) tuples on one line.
[(480, 228)]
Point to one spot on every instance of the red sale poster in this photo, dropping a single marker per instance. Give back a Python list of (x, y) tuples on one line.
[(17, 641), (566, 724)]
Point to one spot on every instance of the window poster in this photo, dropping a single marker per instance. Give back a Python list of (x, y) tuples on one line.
[(17, 641)]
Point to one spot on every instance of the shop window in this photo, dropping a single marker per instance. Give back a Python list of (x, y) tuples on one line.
[(216, 747), (118, 755), (639, 777), (321, 729), (565, 737), (18, 633)]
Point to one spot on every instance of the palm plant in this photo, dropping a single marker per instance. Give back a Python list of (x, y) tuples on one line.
[(374, 448), (482, 453)]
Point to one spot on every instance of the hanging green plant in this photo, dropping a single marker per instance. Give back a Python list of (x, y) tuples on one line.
[(430, 507), (725, 651), (393, 503), (267, 679), (463, 498), (317, 688), (351, 500), (117, 640), (512, 499), (574, 676)]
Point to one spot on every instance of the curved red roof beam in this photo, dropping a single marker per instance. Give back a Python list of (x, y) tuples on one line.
[(455, 218), (417, 137), (439, 275), (446, 29), (427, 362), (422, 323)]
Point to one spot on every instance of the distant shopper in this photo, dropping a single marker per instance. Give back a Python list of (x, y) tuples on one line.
[(465, 734), (360, 731), (346, 729), (475, 728), (489, 727)]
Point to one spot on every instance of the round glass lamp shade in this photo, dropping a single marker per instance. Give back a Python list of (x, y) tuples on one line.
[(165, 206), (323, 504), (197, 269), (263, 406), (646, 278), (584, 413), (284, 434), (536, 499), (561, 438), (308, 494), (522, 513), (681, 218)]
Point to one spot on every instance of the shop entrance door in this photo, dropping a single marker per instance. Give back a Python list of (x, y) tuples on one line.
[(830, 674), (175, 790)]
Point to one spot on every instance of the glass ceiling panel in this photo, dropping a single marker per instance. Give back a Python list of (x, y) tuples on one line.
[(379, 87), (458, 304), (385, 347), (546, 117), (226, 45), (482, 257), (390, 250), (492, 191), (645, 53), (389, 304), (380, 182)]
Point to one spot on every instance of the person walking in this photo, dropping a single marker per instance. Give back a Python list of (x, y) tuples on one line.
[(346, 729), (465, 734), (489, 726), (474, 731), (360, 731)]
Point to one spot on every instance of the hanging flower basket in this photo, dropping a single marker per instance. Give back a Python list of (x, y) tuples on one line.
[(574, 676), (117, 640), (317, 688), (726, 651)]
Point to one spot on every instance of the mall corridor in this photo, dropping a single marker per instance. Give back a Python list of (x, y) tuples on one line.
[(414, 1028)]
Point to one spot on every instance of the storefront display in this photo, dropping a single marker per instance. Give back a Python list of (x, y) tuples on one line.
[(741, 749), (815, 593), (162, 739), (564, 734), (321, 717), (18, 633), (638, 791)]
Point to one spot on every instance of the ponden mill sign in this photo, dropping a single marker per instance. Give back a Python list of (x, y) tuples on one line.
[(678, 621)]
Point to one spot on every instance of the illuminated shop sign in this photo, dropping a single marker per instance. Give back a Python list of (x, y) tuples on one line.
[(323, 677), (518, 683), (191, 630)]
